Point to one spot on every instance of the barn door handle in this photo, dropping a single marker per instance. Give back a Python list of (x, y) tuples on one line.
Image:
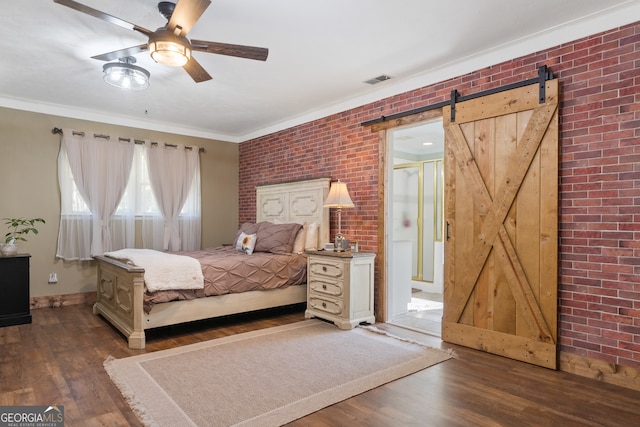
[(447, 230)]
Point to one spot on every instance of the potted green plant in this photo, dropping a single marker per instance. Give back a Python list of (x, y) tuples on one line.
[(18, 228)]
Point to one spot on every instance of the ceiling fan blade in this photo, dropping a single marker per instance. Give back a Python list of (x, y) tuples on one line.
[(104, 16), (249, 52), (195, 70), (186, 14), (122, 53)]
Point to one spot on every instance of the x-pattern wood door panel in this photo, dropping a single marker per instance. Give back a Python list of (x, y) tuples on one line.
[(501, 208)]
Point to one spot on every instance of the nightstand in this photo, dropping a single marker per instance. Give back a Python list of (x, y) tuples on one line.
[(340, 287), (14, 290)]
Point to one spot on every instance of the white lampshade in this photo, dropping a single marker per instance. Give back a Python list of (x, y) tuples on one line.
[(338, 196)]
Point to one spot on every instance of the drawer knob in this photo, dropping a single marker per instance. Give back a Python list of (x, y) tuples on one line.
[(324, 268), (324, 304), (324, 287)]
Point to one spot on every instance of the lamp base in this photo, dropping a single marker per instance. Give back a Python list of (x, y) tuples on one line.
[(340, 244)]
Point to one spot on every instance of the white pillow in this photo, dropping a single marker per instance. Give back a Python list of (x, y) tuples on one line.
[(246, 243), (301, 238), (311, 238)]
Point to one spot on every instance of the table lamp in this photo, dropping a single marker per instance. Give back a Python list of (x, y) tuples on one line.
[(338, 197)]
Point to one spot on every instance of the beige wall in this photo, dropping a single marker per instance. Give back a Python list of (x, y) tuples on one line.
[(29, 188)]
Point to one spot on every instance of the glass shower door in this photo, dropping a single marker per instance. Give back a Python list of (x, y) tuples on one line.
[(417, 214), (406, 215)]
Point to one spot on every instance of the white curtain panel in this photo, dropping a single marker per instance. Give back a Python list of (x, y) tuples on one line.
[(98, 170), (74, 233), (174, 174)]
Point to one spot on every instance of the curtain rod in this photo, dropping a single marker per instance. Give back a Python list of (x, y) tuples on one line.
[(135, 141)]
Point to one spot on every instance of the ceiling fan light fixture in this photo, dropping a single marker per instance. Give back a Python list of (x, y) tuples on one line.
[(125, 75), (169, 49), (169, 45)]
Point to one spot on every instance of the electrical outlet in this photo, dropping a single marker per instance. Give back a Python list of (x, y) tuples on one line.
[(53, 278)]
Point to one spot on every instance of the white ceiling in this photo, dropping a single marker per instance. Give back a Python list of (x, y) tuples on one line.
[(320, 54), (418, 142)]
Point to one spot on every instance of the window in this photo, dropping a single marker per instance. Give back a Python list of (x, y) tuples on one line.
[(79, 226), (139, 197)]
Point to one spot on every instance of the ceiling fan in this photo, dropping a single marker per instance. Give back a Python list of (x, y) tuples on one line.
[(169, 44)]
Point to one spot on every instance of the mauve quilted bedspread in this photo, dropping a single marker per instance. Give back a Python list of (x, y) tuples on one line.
[(227, 270)]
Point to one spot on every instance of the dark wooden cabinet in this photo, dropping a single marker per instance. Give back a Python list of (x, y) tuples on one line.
[(14, 290)]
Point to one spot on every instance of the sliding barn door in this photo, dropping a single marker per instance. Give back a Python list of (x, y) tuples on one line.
[(501, 211)]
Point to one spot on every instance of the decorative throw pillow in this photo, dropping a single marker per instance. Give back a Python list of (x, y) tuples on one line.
[(247, 228), (247, 243)]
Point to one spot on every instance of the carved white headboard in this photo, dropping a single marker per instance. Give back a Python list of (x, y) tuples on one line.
[(298, 202)]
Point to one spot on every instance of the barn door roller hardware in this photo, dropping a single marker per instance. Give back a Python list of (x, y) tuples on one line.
[(452, 103), (544, 74)]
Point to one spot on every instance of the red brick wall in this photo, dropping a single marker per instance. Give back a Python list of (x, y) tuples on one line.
[(599, 277)]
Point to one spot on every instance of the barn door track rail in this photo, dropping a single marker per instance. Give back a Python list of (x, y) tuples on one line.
[(544, 74)]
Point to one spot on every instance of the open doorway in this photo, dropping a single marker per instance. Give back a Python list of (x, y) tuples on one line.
[(415, 281)]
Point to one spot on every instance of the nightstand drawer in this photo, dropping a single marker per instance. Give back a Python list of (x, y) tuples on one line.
[(325, 305), (328, 288), (326, 269)]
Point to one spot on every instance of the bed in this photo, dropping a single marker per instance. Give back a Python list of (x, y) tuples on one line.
[(121, 286)]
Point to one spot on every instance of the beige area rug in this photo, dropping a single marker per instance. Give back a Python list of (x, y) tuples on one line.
[(266, 377)]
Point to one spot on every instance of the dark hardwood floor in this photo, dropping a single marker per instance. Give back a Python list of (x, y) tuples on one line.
[(58, 360)]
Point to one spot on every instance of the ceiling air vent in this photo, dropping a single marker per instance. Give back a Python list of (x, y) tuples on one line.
[(378, 79)]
